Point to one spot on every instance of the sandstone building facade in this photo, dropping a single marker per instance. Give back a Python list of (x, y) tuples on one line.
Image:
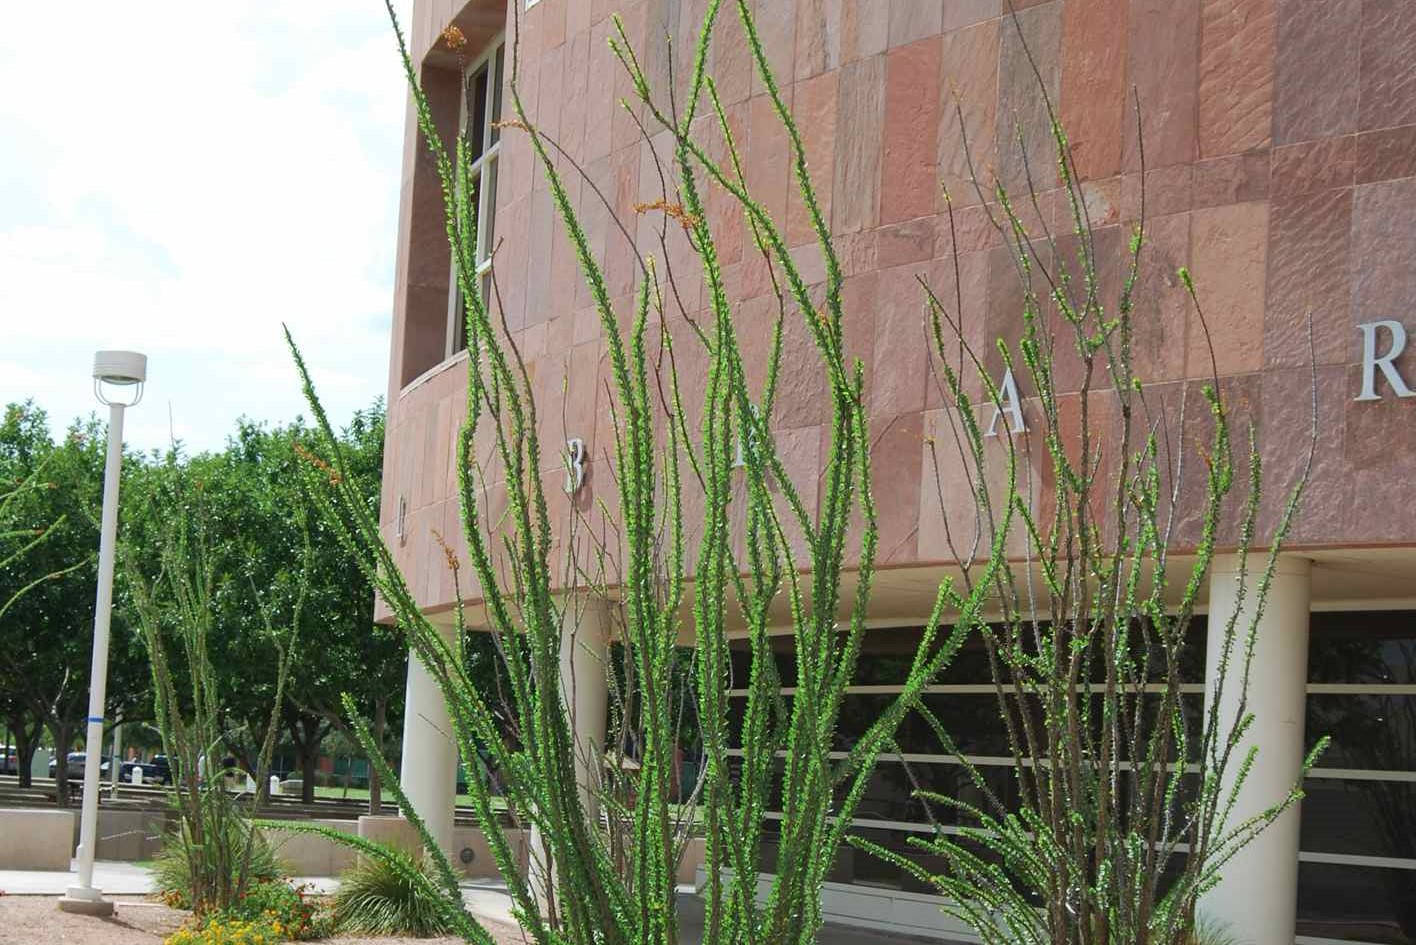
[(1279, 150)]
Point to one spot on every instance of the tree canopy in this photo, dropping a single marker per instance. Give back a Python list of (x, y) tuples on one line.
[(258, 525)]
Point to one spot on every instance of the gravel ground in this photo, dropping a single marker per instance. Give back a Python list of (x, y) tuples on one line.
[(36, 920)]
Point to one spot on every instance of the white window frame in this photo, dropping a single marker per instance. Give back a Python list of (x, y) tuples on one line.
[(484, 168)]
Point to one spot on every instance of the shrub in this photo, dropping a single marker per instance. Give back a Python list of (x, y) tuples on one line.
[(221, 931), (284, 908), (1210, 932), (173, 872), (379, 897), (270, 911)]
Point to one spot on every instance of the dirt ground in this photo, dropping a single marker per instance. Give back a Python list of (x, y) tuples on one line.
[(36, 920)]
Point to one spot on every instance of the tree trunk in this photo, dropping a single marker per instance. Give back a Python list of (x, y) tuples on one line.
[(26, 740), (375, 783), (63, 735), (307, 773)]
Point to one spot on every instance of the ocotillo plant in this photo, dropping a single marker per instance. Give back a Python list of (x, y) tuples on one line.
[(1122, 806), (172, 603), (589, 884)]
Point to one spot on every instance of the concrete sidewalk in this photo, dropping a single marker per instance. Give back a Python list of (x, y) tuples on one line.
[(486, 898), (114, 877)]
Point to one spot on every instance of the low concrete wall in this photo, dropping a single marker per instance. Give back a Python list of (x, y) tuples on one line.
[(312, 855), (36, 839), (308, 854), (128, 834), (473, 855), (693, 855)]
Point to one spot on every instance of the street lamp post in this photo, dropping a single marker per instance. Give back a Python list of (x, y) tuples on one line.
[(114, 373)]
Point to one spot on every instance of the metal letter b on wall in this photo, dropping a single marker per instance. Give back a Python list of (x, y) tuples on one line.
[(574, 465)]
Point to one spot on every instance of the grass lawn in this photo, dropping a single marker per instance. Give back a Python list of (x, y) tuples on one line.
[(362, 794)]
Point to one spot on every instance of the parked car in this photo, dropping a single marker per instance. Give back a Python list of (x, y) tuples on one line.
[(9, 762), (156, 771), (74, 763)]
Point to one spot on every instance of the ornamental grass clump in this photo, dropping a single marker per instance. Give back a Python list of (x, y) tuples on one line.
[(376, 898)]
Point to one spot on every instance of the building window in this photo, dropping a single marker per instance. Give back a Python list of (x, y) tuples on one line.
[(1357, 868), (481, 110)]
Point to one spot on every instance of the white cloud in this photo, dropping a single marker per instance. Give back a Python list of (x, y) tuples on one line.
[(182, 178)]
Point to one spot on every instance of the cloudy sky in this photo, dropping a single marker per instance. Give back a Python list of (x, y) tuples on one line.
[(180, 178)]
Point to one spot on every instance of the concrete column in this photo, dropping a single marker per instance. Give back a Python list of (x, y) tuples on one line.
[(585, 693), (585, 689), (1258, 897), (429, 772)]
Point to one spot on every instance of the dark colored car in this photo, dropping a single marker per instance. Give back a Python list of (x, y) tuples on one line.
[(74, 764), (156, 771)]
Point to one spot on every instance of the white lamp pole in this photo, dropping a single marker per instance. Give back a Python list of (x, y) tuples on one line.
[(126, 370)]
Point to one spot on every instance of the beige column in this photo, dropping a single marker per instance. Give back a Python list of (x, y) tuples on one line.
[(429, 771), (1258, 895), (585, 694)]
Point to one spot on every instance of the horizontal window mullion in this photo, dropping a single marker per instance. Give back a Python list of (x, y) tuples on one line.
[(967, 689), (1362, 774)]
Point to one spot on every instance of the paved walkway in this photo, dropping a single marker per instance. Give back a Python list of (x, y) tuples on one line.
[(485, 898), (113, 877)]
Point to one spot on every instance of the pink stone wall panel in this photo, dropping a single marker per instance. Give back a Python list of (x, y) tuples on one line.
[(1279, 142)]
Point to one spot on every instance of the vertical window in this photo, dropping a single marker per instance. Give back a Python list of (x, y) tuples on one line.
[(1357, 868), (480, 112)]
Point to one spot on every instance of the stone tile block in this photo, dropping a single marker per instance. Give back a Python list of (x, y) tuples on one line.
[(1094, 90), (1386, 154), (1028, 65), (1313, 165), (818, 37), (814, 103), (1229, 246), (961, 13), (909, 170), (1163, 54), (1235, 178), (968, 121), (900, 360), (1309, 273), (1383, 245), (1166, 190), (865, 28), (776, 28), (1388, 64), (861, 117), (906, 242), (1288, 400), (913, 20), (895, 447), (768, 158), (1161, 305), (1315, 69), (1237, 44)]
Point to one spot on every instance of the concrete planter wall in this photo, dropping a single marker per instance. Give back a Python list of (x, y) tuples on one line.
[(37, 839)]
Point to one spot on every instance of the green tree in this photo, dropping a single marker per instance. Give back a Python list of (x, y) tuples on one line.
[(256, 513), (46, 634)]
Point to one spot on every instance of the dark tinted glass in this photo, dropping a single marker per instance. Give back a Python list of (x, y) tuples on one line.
[(1377, 647), (1352, 903), (1377, 732), (497, 93), (477, 112), (1366, 818)]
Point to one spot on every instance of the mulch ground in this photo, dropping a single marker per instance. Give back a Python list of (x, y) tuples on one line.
[(36, 920)]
